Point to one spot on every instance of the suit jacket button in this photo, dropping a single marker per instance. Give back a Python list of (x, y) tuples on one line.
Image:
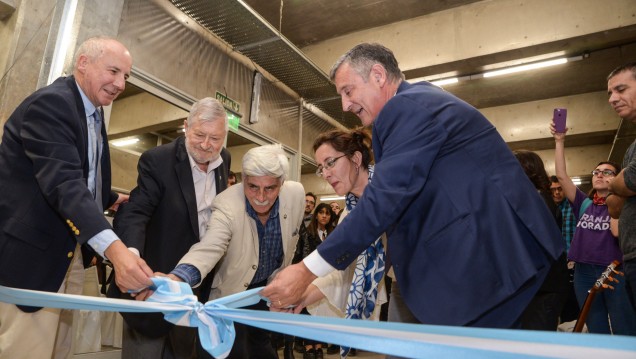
[(246, 285), (254, 266), (69, 254)]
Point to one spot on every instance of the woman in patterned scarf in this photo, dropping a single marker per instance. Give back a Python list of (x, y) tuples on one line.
[(344, 160)]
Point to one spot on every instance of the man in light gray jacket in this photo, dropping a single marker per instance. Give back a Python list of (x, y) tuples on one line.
[(251, 235)]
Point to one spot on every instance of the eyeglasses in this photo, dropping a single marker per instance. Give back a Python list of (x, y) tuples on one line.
[(556, 189), (606, 173), (328, 165)]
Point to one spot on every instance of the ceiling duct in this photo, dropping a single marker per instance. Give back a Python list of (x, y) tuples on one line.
[(251, 35)]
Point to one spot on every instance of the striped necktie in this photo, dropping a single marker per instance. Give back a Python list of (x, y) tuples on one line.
[(97, 145)]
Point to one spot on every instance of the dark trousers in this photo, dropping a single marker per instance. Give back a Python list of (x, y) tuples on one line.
[(629, 267), (570, 310), (179, 343), (543, 311)]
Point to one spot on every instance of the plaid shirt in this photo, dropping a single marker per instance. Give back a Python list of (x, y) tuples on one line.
[(569, 223), (270, 243)]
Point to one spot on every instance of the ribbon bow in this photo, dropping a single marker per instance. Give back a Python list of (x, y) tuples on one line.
[(216, 333)]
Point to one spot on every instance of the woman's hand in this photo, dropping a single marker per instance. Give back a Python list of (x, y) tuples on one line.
[(557, 135)]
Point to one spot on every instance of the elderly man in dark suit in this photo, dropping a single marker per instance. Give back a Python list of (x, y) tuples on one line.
[(55, 184), (469, 238), (167, 213)]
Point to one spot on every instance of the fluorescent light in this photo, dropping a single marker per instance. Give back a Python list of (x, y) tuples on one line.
[(448, 81), (533, 66), (577, 181), (502, 68), (438, 80), (332, 198), (125, 142)]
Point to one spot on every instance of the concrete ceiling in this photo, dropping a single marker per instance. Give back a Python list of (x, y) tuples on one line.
[(305, 23), (308, 22)]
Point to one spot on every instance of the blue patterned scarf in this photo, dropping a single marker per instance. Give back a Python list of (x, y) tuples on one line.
[(366, 277)]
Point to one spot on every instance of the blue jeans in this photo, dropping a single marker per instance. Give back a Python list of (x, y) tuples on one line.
[(614, 303)]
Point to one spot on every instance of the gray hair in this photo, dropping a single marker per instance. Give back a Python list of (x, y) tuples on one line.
[(207, 109), (93, 48), (362, 57), (267, 160), (627, 67)]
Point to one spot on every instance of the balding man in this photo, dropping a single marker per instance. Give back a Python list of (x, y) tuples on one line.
[(55, 183)]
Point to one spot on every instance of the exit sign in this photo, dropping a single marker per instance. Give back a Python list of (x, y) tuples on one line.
[(229, 104), (233, 110), (233, 121)]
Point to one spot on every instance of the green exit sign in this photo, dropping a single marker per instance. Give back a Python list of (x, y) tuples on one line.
[(233, 110), (230, 104), (233, 121)]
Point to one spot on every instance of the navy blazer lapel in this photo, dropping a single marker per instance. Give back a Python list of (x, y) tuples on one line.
[(221, 172), (81, 111), (186, 183)]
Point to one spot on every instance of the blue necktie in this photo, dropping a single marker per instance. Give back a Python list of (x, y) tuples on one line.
[(96, 141)]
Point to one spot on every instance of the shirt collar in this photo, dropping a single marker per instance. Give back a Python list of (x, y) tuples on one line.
[(89, 108), (211, 166)]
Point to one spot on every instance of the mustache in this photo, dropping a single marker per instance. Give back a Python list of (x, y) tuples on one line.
[(259, 203)]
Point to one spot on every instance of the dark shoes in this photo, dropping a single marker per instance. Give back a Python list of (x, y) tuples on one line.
[(333, 349), (299, 347), (313, 354), (353, 352)]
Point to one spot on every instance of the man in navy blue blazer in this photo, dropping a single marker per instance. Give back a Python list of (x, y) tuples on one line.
[(55, 183), (470, 240)]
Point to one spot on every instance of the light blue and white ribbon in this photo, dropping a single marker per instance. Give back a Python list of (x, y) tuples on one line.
[(215, 324)]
